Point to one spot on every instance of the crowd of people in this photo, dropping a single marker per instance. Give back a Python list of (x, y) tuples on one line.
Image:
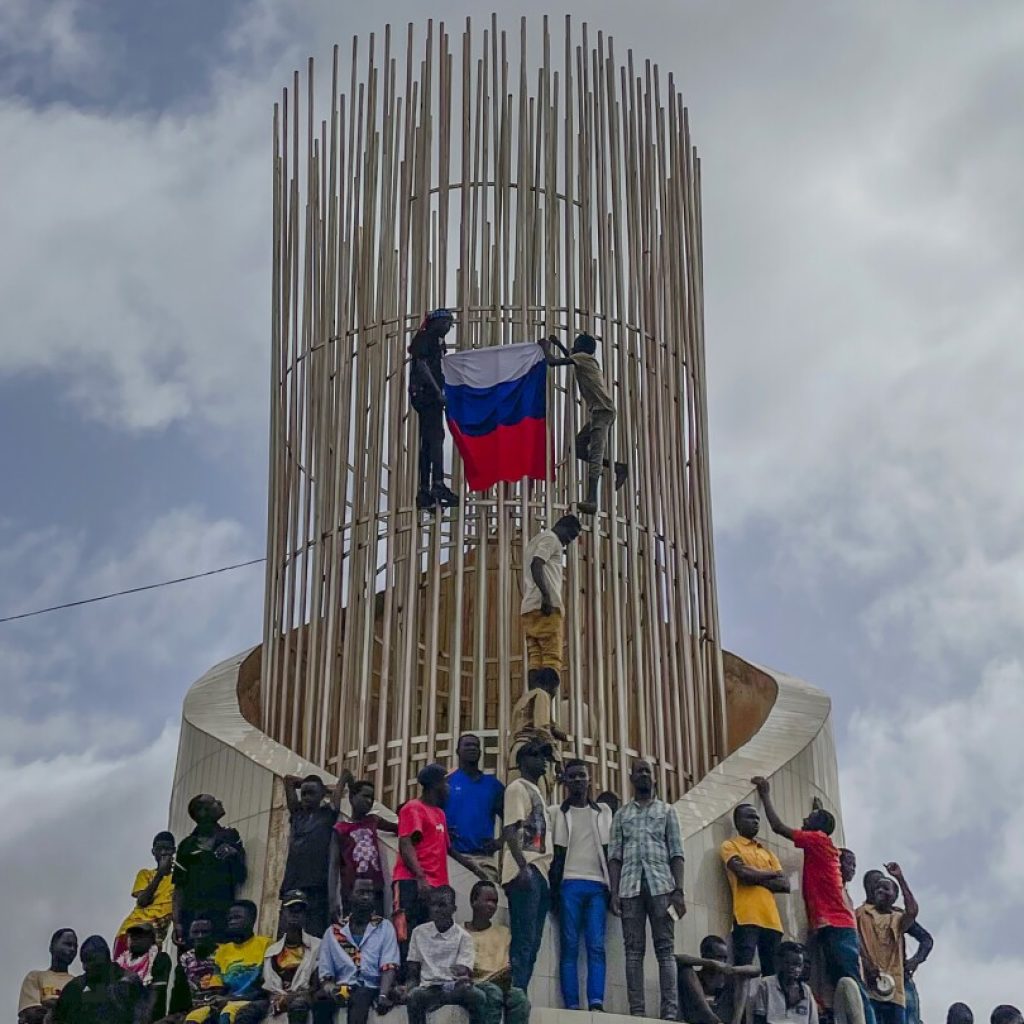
[(190, 950)]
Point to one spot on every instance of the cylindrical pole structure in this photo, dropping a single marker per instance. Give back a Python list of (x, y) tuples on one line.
[(533, 187)]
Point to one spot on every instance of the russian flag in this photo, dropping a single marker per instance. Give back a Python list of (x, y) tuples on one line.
[(496, 402)]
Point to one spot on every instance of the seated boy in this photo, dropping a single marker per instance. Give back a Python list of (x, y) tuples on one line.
[(784, 997), (492, 972), (197, 981), (440, 964), (240, 960), (289, 965), (711, 991), (358, 962)]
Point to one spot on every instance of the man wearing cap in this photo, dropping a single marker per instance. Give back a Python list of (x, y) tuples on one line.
[(526, 864), (290, 964), (426, 396), (358, 961), (424, 846)]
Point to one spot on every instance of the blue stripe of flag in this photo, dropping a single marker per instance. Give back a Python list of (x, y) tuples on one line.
[(478, 411)]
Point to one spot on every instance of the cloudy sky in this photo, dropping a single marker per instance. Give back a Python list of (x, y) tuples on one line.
[(864, 245)]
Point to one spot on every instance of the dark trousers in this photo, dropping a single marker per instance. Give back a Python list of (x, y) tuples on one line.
[(888, 1013), (425, 999), (407, 901), (748, 939), (360, 1002), (841, 950), (528, 906), (431, 453), (636, 911)]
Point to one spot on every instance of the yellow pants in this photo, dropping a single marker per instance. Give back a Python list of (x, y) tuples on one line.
[(544, 643)]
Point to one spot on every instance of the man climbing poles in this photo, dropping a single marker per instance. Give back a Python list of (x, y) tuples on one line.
[(592, 440), (426, 396)]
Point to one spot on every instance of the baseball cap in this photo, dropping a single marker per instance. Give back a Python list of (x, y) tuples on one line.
[(294, 897)]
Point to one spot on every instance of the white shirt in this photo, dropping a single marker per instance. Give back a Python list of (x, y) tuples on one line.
[(548, 548), (438, 953), (583, 831)]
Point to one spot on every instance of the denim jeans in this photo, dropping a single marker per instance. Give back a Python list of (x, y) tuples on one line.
[(913, 1002), (583, 908), (635, 912), (528, 905), (841, 948)]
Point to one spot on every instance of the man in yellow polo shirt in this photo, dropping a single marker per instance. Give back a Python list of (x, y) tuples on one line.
[(755, 875)]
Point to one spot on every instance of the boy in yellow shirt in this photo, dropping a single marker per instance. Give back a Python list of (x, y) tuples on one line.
[(153, 892), (492, 972)]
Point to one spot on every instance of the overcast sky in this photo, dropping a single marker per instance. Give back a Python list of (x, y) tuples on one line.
[(864, 242)]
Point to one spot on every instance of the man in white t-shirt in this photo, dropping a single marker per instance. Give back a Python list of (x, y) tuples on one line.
[(527, 860), (581, 830), (440, 963), (541, 617)]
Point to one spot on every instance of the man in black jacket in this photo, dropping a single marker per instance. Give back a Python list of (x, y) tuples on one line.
[(208, 869)]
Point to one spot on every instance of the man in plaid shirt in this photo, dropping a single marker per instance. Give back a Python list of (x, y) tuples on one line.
[(645, 865)]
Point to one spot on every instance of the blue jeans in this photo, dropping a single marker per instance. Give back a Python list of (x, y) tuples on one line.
[(841, 948), (528, 906), (888, 1013), (584, 906)]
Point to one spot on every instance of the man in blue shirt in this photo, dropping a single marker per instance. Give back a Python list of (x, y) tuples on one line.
[(359, 960), (475, 801)]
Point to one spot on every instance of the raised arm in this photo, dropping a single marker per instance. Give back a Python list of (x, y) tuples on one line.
[(344, 780), (549, 358), (291, 792), (910, 907), (764, 790)]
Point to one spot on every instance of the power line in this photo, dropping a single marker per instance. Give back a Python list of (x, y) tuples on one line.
[(131, 590)]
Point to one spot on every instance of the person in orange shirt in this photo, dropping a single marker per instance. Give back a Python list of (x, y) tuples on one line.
[(755, 875)]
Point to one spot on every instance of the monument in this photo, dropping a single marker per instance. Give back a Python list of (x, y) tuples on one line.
[(534, 181)]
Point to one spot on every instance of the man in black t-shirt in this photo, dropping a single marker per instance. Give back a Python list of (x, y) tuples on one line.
[(311, 826)]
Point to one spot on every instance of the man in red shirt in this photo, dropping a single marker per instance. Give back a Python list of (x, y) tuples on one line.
[(829, 916), (423, 848)]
